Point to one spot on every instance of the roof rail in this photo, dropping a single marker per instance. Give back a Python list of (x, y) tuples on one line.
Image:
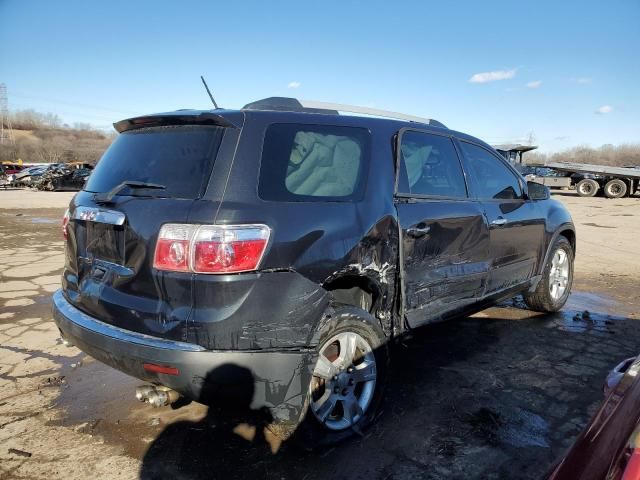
[(368, 111), (312, 106)]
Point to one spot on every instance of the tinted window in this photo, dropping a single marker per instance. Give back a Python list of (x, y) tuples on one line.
[(313, 162), (178, 157), (490, 177), (430, 166)]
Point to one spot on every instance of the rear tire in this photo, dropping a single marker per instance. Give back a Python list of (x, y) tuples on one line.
[(554, 287), (587, 187), (615, 188), (345, 395)]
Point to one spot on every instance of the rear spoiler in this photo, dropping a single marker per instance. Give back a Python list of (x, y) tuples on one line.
[(173, 118)]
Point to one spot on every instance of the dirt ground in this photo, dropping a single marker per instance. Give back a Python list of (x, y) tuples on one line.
[(497, 395)]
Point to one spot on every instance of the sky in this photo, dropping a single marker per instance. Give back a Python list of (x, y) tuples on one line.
[(563, 73)]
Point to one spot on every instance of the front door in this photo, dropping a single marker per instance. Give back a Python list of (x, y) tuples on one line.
[(445, 236), (516, 224)]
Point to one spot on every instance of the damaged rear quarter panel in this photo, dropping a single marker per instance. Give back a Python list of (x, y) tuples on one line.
[(255, 311)]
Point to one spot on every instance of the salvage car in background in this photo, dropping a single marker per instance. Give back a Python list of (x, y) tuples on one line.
[(27, 175), (609, 446), (4, 178), (291, 246), (63, 177), (54, 177)]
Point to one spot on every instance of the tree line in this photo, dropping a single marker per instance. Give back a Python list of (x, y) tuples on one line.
[(42, 137), (615, 156)]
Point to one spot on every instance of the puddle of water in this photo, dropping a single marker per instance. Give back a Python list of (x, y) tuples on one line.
[(102, 400), (93, 389), (43, 220), (586, 312), (583, 312), (581, 301), (520, 428)]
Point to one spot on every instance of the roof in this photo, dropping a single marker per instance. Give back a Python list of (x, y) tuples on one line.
[(234, 119)]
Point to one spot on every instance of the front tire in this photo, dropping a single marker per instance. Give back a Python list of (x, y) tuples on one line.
[(554, 288), (348, 380)]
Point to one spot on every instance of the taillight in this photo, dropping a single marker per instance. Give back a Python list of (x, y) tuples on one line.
[(173, 250), (210, 248), (65, 222)]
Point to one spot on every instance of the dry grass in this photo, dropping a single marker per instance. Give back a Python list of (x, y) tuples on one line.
[(40, 138), (618, 156)]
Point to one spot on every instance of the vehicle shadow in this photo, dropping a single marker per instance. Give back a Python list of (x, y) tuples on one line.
[(231, 436), (564, 193), (494, 396)]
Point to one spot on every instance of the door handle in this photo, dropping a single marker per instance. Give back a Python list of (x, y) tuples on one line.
[(499, 222), (416, 232)]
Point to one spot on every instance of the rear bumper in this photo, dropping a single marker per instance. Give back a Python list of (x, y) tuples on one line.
[(276, 380)]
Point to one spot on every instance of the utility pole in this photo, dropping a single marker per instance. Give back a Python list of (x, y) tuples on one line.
[(531, 138), (6, 134)]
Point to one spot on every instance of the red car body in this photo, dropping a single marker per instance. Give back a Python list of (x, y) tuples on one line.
[(10, 168), (609, 447)]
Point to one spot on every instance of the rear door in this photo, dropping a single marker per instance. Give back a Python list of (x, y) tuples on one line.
[(111, 240), (445, 237), (516, 224)]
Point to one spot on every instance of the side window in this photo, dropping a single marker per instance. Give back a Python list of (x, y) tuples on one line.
[(491, 178), (313, 163), (430, 166)]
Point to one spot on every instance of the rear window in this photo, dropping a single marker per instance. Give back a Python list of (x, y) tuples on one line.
[(313, 163), (178, 157)]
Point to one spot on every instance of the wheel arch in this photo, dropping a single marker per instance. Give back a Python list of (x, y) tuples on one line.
[(355, 293), (356, 290), (566, 230), (569, 234)]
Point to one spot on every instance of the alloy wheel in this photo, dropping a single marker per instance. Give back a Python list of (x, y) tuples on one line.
[(344, 381), (559, 274)]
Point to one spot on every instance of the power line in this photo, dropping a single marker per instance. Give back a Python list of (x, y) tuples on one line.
[(70, 113)]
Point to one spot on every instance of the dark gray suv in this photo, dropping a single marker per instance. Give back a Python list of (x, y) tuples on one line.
[(272, 253)]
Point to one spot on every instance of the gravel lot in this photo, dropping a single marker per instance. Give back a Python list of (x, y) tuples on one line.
[(497, 395)]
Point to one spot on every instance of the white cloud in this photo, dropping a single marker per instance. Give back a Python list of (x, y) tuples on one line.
[(583, 80), (485, 77), (534, 84), (294, 85), (604, 110)]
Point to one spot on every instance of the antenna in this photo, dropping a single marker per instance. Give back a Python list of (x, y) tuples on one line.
[(209, 92)]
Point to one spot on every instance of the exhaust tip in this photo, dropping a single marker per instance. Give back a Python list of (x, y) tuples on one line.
[(143, 391), (156, 396)]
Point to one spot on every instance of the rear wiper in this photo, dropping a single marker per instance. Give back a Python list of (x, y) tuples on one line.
[(107, 197)]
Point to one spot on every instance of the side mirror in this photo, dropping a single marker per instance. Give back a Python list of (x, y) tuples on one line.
[(537, 191)]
